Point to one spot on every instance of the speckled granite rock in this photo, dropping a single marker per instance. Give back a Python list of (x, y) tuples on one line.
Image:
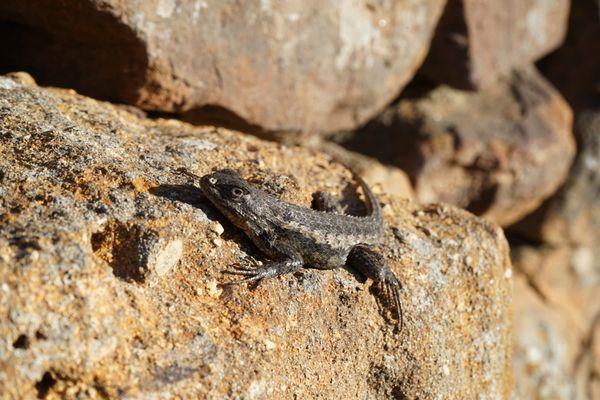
[(294, 65), (110, 259), (479, 41), (498, 152)]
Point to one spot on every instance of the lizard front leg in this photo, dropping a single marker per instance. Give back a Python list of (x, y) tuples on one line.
[(373, 265), (287, 264)]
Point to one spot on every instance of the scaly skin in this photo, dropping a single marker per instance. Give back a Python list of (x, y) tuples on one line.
[(292, 236)]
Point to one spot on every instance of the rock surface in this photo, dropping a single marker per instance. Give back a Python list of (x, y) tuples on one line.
[(499, 152), (572, 215), (557, 317), (478, 41), (110, 259), (294, 66)]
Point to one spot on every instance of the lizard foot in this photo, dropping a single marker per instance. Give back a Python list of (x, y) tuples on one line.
[(254, 273), (389, 287)]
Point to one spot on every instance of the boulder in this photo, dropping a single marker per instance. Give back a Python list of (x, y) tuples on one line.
[(545, 349), (498, 152), (572, 215), (557, 317), (294, 66), (111, 262), (478, 41)]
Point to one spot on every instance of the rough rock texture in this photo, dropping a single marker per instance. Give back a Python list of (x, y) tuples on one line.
[(295, 65), (572, 215), (499, 152), (110, 259), (477, 41), (557, 318)]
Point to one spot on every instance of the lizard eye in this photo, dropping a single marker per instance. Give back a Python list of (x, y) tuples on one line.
[(212, 181), (237, 192)]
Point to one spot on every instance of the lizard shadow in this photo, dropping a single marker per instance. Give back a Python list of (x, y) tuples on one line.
[(187, 194), (194, 196)]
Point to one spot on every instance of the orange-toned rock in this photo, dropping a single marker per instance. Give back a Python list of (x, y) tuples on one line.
[(110, 260)]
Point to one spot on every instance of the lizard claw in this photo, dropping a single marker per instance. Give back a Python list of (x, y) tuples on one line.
[(253, 275), (390, 287)]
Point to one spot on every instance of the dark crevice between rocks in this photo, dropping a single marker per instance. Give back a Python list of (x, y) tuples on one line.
[(44, 385), (121, 246), (215, 115), (579, 85), (390, 140), (59, 44), (450, 46), (518, 239), (485, 199)]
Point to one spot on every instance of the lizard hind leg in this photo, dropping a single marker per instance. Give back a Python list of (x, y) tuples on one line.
[(372, 264)]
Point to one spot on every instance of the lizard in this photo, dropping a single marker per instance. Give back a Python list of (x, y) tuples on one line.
[(293, 237)]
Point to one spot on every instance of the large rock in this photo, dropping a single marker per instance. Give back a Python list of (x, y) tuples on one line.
[(110, 259), (498, 152), (546, 348), (299, 66), (557, 318), (477, 41), (572, 215)]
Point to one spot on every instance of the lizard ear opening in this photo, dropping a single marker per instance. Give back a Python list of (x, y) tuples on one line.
[(236, 192)]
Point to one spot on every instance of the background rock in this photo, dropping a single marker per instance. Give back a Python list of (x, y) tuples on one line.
[(90, 190), (572, 216), (545, 350), (557, 314), (478, 41), (499, 152), (294, 66)]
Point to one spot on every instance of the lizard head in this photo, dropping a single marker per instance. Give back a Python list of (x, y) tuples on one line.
[(229, 192)]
